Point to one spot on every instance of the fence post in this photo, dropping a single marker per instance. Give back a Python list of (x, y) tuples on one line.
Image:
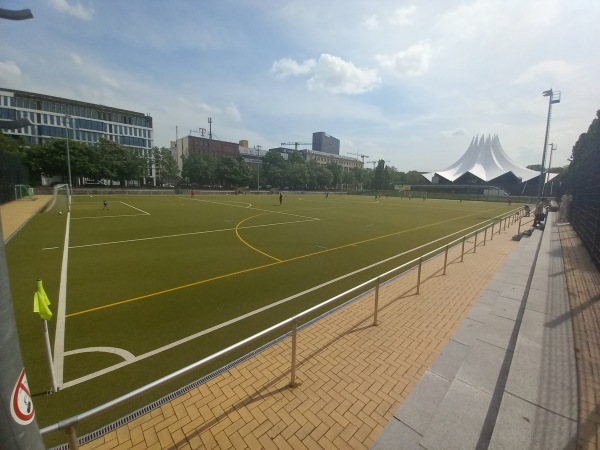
[(376, 302), (73, 441), (462, 253), (445, 259), (519, 226), (475, 244), (419, 275), (484, 236), (294, 333), (492, 233)]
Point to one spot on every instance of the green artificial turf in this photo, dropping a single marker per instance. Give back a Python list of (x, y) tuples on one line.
[(152, 270)]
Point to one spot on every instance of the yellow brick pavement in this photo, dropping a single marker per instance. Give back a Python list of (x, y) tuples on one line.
[(352, 376), (583, 285)]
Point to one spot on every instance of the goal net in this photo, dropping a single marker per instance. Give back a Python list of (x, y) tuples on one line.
[(61, 199), (23, 191)]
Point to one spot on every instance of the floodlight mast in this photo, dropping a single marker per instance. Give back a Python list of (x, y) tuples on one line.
[(553, 97)]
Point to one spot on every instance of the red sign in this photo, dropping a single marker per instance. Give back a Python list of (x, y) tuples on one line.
[(21, 405)]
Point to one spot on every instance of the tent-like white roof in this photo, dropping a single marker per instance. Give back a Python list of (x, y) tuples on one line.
[(486, 160)]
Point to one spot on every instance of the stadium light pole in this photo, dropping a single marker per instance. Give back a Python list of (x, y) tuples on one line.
[(18, 426), (553, 97), (552, 148)]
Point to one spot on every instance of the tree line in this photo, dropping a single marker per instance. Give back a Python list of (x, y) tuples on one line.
[(108, 160)]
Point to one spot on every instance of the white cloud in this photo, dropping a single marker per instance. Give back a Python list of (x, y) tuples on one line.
[(109, 81), (456, 132), (75, 9), (554, 69), (77, 59), (333, 74), (233, 113), (403, 16), (9, 71), (287, 67), (413, 61), (371, 22)]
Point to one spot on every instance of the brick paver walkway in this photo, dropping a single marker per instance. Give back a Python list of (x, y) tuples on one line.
[(351, 376), (583, 284), (15, 214)]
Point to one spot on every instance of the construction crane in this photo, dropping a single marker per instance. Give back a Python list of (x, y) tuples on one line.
[(358, 155), (375, 163), (296, 144)]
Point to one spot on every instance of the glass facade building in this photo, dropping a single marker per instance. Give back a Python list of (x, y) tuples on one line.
[(50, 118)]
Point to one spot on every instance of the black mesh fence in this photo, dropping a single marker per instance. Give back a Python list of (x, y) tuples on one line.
[(12, 172), (584, 184)]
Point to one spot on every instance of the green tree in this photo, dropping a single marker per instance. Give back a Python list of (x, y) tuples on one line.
[(166, 166), (197, 169), (336, 171), (273, 168), (50, 159), (115, 161)]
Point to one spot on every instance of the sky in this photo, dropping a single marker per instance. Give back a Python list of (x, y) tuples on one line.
[(407, 82)]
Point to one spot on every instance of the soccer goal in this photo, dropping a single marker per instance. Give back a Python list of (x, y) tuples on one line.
[(61, 199), (23, 191)]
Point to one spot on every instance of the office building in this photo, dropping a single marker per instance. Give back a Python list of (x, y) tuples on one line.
[(323, 142), (87, 122)]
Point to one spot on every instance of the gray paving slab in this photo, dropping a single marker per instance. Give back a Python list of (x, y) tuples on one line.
[(497, 331), (488, 297), (544, 377), (523, 425), (507, 307), (397, 435), (552, 303), (556, 335), (460, 420), (483, 367), (480, 310), (449, 360), (467, 331), (423, 402)]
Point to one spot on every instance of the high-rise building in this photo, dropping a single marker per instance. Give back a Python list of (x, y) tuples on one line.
[(323, 142), (87, 122)]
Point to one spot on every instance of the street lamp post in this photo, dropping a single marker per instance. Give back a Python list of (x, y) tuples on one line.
[(553, 97)]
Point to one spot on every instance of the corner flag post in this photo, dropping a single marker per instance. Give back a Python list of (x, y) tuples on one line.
[(41, 305)]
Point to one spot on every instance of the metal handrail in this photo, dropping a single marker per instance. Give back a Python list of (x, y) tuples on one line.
[(70, 423)]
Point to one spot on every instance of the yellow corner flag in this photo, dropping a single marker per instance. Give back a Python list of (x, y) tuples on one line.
[(41, 302)]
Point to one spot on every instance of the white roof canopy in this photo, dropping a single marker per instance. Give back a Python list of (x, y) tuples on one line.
[(486, 160)]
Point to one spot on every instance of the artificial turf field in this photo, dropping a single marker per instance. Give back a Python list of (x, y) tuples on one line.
[(154, 283)]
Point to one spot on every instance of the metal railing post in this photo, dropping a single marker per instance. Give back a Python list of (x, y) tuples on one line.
[(419, 275), (475, 244), (73, 441), (484, 236), (519, 226), (462, 253), (294, 334), (376, 302), (446, 258), (492, 233)]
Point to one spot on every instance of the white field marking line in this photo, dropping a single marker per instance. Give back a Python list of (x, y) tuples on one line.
[(107, 217), (260, 209), (138, 209), (245, 316), (59, 335), (117, 351), (192, 234)]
